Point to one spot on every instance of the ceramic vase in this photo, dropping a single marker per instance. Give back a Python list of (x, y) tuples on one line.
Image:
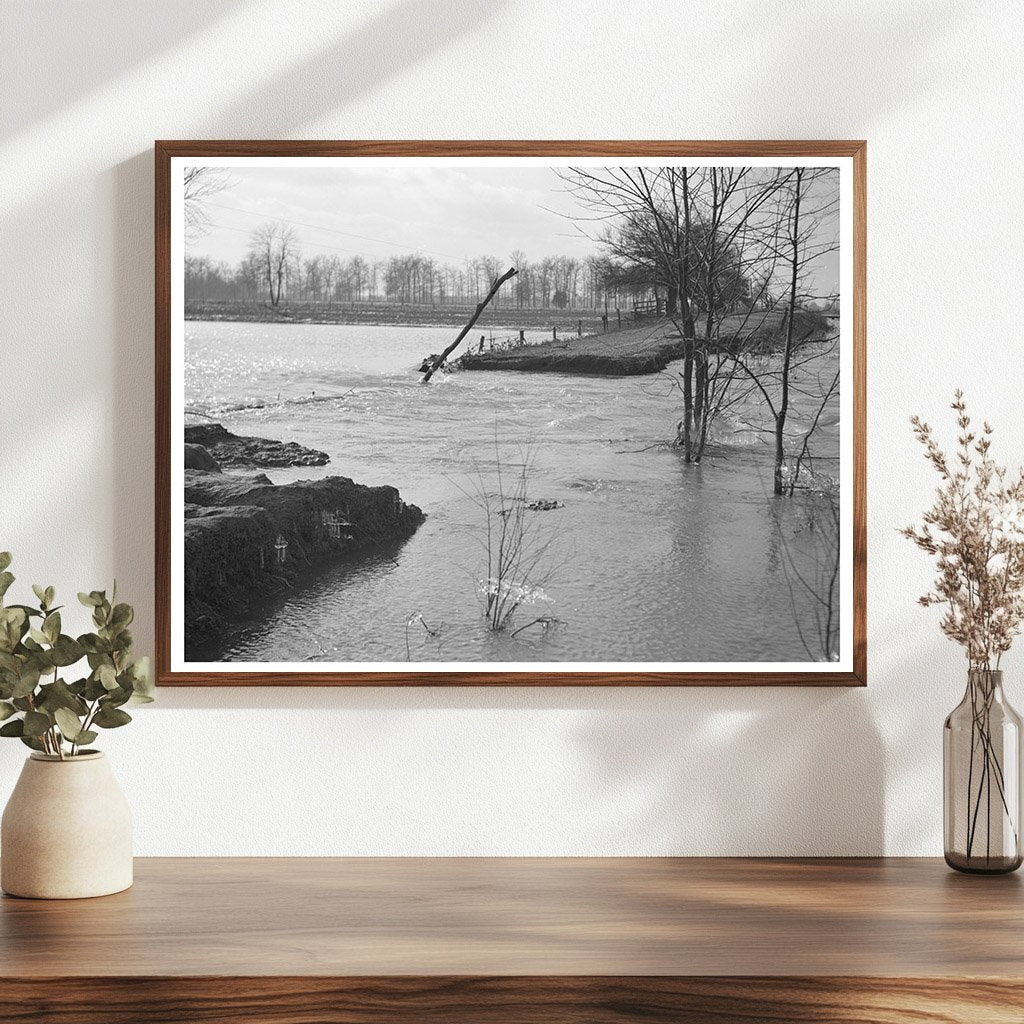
[(66, 831)]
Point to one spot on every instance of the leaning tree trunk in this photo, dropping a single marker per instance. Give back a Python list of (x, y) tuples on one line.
[(439, 360)]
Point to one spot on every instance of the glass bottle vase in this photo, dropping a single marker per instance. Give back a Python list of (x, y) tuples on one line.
[(981, 769)]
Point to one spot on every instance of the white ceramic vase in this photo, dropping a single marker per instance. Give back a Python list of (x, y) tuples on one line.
[(66, 831)]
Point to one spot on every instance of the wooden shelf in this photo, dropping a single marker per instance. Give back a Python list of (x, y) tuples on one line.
[(283, 941)]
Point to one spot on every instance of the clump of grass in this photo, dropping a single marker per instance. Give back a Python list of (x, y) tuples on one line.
[(520, 555)]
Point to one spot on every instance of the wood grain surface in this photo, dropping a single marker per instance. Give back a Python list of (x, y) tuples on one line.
[(166, 150), (506, 916), (518, 1000), (577, 941)]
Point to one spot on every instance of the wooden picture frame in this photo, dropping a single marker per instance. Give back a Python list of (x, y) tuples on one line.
[(849, 156)]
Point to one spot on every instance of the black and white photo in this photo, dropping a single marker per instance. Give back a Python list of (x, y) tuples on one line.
[(493, 414)]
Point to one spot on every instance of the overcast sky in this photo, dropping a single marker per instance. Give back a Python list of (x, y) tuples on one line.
[(450, 213)]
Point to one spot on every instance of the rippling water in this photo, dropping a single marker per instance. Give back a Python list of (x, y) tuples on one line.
[(656, 560)]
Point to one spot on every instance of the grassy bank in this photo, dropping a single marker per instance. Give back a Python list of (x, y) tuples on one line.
[(644, 348), (622, 353)]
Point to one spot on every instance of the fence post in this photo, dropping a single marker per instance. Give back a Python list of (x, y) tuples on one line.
[(554, 334), (579, 328), (618, 313)]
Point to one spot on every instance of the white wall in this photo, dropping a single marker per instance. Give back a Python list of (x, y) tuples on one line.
[(935, 87)]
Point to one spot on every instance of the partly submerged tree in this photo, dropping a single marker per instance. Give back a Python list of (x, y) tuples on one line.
[(732, 245)]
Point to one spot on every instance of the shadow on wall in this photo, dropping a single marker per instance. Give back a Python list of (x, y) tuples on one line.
[(811, 61), (690, 771), (335, 76), (394, 39), (132, 427), (750, 772), (117, 35)]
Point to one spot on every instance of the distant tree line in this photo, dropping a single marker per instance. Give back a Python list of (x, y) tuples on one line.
[(275, 270)]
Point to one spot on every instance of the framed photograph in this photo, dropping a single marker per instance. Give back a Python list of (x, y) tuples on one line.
[(493, 413)]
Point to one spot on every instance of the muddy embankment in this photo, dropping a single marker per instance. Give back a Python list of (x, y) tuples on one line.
[(248, 540), (549, 359), (632, 351), (643, 348)]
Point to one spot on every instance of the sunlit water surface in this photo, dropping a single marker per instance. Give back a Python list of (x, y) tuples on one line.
[(653, 560)]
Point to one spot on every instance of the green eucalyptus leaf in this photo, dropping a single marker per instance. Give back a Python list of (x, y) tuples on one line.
[(51, 626), (59, 695), (38, 636), (122, 616), (6, 710), (16, 615), (13, 626), (94, 689), (94, 644), (28, 610), (27, 681), (69, 724), (89, 600), (16, 727), (107, 676), (87, 641), (22, 703), (6, 579), (66, 651), (36, 723), (115, 698), (40, 593), (110, 717), (86, 736), (5, 559), (50, 594), (31, 741)]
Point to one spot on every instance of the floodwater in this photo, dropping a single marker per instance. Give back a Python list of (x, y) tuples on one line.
[(648, 560)]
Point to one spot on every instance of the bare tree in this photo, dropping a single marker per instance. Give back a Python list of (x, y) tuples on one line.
[(276, 247), (200, 184), (794, 239), (650, 208)]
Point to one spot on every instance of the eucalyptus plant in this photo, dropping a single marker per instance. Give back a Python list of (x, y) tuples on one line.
[(37, 704)]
